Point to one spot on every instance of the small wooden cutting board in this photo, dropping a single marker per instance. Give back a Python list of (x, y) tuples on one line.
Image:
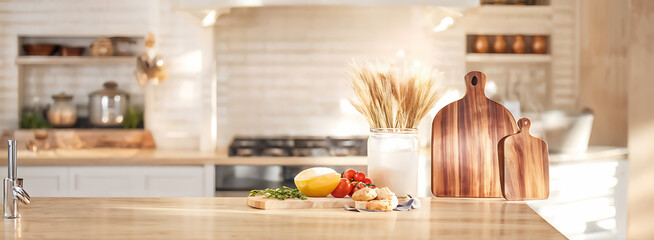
[(524, 165), (464, 138), (324, 202)]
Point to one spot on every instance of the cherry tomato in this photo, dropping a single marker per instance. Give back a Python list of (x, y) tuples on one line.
[(349, 174), (359, 177), (357, 186), (367, 181), (343, 189)]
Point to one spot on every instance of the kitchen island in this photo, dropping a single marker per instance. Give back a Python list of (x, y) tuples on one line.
[(231, 218)]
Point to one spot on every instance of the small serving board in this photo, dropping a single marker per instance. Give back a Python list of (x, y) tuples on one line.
[(524, 165), (312, 202)]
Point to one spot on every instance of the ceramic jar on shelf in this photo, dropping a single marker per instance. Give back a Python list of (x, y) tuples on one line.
[(102, 47), (481, 44), (499, 45), (518, 44), (539, 45)]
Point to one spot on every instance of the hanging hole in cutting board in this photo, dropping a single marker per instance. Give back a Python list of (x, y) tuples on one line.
[(474, 81)]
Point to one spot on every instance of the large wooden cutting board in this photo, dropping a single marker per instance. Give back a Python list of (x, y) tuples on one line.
[(524, 165), (465, 135), (324, 202)]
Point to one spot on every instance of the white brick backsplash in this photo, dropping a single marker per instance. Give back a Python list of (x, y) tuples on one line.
[(45, 81), (282, 70)]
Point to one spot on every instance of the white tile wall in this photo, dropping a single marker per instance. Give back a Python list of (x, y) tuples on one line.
[(79, 81), (282, 70), (524, 82), (177, 105), (565, 80)]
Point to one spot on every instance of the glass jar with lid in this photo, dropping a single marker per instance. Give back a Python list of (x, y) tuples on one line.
[(108, 106), (62, 113)]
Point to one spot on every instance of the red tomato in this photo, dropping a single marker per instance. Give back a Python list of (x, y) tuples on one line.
[(359, 177), (343, 189), (367, 181), (357, 186), (349, 174)]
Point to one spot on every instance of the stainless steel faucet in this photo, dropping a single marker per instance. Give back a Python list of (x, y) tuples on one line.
[(13, 186)]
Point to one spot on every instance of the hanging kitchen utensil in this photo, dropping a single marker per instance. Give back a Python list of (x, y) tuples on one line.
[(524, 165), (465, 134), (150, 66)]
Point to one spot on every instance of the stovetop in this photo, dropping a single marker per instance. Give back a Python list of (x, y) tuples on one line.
[(298, 146)]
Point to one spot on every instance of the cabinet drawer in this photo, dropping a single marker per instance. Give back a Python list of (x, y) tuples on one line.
[(161, 181), (104, 182), (174, 182)]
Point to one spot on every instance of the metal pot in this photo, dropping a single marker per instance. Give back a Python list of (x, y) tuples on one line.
[(107, 107)]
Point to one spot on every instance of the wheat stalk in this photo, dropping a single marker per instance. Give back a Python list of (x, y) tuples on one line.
[(392, 97)]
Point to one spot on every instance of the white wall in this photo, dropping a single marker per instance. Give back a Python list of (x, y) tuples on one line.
[(282, 70)]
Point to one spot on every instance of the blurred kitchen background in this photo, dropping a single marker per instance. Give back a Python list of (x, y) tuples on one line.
[(244, 94)]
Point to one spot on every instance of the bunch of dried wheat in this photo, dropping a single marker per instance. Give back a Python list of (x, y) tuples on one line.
[(390, 96)]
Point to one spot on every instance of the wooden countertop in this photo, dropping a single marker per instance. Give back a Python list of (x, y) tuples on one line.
[(231, 218), (156, 157)]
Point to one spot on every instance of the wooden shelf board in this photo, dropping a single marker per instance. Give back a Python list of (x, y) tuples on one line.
[(506, 57), (81, 60)]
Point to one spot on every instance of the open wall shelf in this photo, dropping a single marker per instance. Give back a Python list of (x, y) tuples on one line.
[(74, 60), (508, 58)]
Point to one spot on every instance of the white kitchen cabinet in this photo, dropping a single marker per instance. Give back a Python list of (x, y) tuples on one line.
[(118, 181), (43, 181), (105, 182), (160, 181), (587, 199)]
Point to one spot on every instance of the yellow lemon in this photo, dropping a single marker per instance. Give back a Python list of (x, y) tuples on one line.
[(317, 181)]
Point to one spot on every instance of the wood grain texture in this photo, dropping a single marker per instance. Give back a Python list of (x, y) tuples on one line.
[(524, 165), (231, 218), (640, 118), (71, 138), (325, 202), (604, 45), (465, 134)]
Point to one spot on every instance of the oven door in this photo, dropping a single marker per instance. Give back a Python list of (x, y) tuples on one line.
[(245, 178)]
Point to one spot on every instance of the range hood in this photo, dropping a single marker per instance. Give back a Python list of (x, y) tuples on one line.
[(207, 11), (215, 4)]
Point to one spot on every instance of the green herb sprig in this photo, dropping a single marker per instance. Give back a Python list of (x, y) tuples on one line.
[(280, 193)]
